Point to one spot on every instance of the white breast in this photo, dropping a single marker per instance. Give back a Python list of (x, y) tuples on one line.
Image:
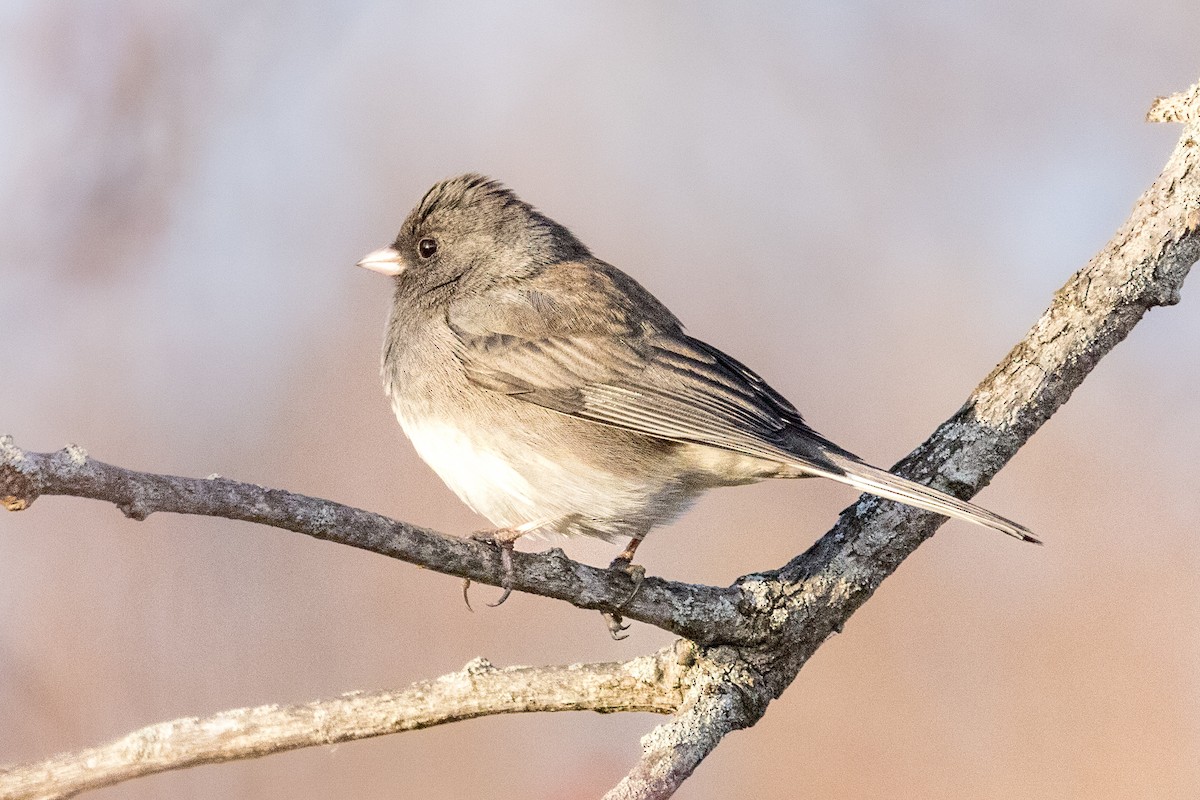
[(481, 478)]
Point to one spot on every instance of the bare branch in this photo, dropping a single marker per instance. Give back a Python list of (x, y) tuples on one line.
[(720, 697), (693, 611), (1143, 266), (760, 632), (648, 683)]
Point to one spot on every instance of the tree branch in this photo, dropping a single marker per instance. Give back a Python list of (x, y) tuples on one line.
[(1143, 266), (693, 611), (760, 632), (720, 697), (812, 597), (648, 683)]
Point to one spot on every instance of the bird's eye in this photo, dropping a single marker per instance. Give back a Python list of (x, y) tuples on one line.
[(426, 248)]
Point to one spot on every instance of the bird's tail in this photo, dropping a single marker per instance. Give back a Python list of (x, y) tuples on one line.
[(866, 478)]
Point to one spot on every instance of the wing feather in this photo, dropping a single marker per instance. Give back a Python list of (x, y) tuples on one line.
[(665, 385), (610, 353)]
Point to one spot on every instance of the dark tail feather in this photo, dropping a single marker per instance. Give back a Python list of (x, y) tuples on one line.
[(880, 482)]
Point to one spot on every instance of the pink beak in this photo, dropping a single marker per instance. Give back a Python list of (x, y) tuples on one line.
[(385, 260)]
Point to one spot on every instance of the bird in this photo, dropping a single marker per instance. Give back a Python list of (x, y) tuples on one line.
[(554, 394)]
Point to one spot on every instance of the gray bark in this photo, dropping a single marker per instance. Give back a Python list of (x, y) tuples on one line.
[(751, 638), (648, 683)]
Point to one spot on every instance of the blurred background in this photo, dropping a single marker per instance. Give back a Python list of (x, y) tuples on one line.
[(868, 203)]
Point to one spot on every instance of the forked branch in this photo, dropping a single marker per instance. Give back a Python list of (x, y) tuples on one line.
[(755, 635)]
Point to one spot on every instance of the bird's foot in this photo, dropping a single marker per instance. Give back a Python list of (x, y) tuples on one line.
[(503, 538), (636, 572), (616, 625)]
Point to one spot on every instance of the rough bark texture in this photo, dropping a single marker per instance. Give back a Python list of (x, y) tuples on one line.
[(755, 636), (692, 611), (648, 683)]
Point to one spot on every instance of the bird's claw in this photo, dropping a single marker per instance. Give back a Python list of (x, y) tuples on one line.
[(505, 543), (467, 594), (616, 628), (636, 573)]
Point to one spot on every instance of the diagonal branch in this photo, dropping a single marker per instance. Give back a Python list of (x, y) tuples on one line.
[(1143, 266), (719, 697), (760, 632), (649, 683), (812, 597)]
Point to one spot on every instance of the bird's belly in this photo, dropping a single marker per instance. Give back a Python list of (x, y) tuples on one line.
[(483, 478), (507, 477)]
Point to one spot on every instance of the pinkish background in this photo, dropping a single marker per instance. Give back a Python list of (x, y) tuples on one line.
[(868, 203)]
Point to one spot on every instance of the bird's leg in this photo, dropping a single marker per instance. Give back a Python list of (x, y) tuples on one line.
[(626, 556), (624, 562), (637, 573), (504, 538)]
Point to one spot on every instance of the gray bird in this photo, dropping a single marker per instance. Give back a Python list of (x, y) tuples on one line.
[(553, 393)]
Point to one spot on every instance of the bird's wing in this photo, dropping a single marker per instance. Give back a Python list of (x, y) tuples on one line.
[(602, 357), (599, 356)]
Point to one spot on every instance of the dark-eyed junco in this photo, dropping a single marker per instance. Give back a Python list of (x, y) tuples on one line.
[(553, 393)]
